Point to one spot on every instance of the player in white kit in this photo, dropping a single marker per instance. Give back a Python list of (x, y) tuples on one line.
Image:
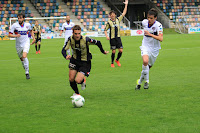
[(153, 35), (19, 30), (67, 26)]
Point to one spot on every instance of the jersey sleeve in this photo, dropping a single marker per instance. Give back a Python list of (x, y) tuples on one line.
[(107, 26), (120, 18), (12, 29), (66, 48), (91, 41), (95, 42), (159, 29)]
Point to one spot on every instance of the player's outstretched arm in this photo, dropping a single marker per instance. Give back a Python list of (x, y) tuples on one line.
[(125, 8), (159, 37), (33, 36), (98, 43), (11, 35), (65, 49)]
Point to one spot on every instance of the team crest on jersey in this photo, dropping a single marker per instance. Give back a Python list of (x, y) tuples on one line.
[(153, 28), (27, 27), (77, 45)]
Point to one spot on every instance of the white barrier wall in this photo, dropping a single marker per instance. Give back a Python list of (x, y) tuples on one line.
[(194, 30)]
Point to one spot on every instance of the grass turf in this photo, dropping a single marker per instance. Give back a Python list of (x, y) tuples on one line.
[(42, 104)]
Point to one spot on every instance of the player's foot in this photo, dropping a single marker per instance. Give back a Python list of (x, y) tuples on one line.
[(138, 85), (39, 51), (36, 52), (83, 85), (146, 85), (27, 76), (118, 63), (112, 65), (74, 95)]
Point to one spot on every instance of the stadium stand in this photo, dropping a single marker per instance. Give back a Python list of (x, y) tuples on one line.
[(10, 9), (173, 8), (50, 8), (90, 13)]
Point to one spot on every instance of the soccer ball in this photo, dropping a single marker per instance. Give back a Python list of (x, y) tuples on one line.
[(78, 101)]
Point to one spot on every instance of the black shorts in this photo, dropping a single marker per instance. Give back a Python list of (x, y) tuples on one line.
[(115, 43), (80, 66), (38, 40)]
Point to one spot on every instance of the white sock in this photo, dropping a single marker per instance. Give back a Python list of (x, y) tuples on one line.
[(23, 64), (26, 65), (144, 74)]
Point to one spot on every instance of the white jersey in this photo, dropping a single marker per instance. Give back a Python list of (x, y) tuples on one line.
[(68, 29), (23, 31), (149, 43)]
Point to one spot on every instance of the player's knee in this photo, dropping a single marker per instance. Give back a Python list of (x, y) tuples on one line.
[(120, 50), (71, 79), (113, 51), (78, 81), (145, 62), (24, 56)]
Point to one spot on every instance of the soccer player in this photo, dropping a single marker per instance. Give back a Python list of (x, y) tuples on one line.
[(21, 29), (67, 26), (153, 35), (80, 61), (115, 41), (37, 30)]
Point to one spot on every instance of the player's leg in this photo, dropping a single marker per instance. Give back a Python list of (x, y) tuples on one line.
[(144, 73), (113, 57), (39, 45), (84, 70), (113, 48), (36, 49), (120, 49), (72, 75), (119, 56)]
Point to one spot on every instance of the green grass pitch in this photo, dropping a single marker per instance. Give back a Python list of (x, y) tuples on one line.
[(42, 104)]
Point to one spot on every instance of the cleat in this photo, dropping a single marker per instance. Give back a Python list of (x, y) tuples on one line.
[(36, 52), (118, 63), (74, 95), (146, 85), (39, 51), (27, 76), (83, 85), (112, 65), (138, 85)]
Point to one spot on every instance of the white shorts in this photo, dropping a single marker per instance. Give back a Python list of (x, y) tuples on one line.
[(152, 58), (20, 50)]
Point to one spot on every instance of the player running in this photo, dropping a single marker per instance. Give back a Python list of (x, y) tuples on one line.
[(21, 29), (153, 34), (80, 62), (115, 41), (37, 30), (67, 26)]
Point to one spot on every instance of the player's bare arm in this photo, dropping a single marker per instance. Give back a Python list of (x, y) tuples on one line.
[(33, 36), (61, 32), (11, 35), (125, 9), (159, 37), (108, 38)]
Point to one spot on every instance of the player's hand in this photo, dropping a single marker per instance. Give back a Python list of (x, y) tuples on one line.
[(68, 57), (59, 34), (146, 33), (18, 35), (108, 38), (106, 52), (126, 2)]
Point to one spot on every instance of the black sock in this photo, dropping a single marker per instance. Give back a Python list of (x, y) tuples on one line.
[(36, 47), (119, 55), (39, 47), (74, 86), (112, 57)]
